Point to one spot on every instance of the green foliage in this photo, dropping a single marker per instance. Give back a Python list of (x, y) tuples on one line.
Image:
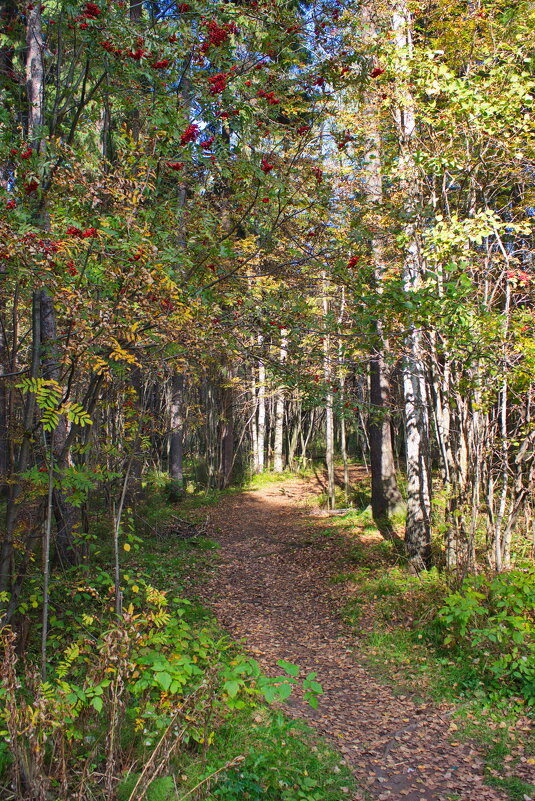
[(161, 789), (396, 594), (483, 632), (161, 673), (282, 760), (48, 394), (492, 621)]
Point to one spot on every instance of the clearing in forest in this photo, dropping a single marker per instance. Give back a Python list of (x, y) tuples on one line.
[(272, 589)]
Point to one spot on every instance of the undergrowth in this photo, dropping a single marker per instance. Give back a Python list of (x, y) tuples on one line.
[(154, 702), (471, 646)]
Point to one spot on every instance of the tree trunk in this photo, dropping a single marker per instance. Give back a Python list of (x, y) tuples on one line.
[(254, 422), (386, 497), (211, 435), (4, 443), (227, 430), (329, 411), (294, 437), (261, 409), (66, 515), (278, 464), (35, 85), (418, 523), (15, 488), (343, 448), (175, 438)]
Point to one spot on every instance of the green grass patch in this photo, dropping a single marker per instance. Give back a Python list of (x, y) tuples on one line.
[(279, 760), (268, 478)]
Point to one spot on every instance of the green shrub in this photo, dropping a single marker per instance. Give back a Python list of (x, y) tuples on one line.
[(128, 690), (284, 764), (493, 621)]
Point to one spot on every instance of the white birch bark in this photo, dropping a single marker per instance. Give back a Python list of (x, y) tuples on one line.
[(278, 464), (261, 399), (329, 411), (418, 521)]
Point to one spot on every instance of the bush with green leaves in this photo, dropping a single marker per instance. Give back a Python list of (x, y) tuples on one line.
[(493, 621), (124, 691), (283, 761)]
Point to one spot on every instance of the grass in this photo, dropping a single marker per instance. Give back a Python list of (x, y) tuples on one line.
[(256, 755), (282, 760), (267, 478)]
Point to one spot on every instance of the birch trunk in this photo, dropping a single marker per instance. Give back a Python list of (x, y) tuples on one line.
[(261, 397), (176, 472), (227, 430), (386, 497), (278, 464), (254, 421), (329, 411), (417, 436)]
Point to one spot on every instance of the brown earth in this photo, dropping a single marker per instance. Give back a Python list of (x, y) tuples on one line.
[(272, 589)]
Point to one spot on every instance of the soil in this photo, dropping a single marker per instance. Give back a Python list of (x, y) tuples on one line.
[(272, 589)]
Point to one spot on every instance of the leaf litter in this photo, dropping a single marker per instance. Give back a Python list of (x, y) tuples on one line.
[(272, 591)]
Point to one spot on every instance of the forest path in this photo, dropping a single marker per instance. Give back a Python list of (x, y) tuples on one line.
[(271, 588)]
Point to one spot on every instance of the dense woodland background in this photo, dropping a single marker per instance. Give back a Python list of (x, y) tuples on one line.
[(241, 237)]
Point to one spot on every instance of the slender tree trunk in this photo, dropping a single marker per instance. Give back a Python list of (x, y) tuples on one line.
[(294, 437), (305, 439), (329, 410), (418, 524), (502, 543), (417, 435), (386, 497), (254, 422), (65, 513), (261, 396), (211, 434), (4, 368), (16, 487), (35, 84), (176, 473), (343, 448), (227, 430), (46, 559), (278, 464)]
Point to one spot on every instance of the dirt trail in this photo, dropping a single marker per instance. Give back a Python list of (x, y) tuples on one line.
[(271, 589)]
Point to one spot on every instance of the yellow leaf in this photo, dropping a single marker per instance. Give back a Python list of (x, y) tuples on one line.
[(126, 546)]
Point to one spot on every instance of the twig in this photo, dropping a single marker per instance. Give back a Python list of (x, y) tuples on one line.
[(232, 762)]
